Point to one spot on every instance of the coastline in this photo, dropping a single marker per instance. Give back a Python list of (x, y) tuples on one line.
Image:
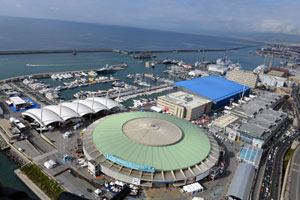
[(34, 188)]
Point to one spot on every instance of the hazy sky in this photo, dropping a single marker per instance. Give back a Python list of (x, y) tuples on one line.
[(280, 16)]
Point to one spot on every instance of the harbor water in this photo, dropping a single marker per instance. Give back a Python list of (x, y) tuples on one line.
[(15, 65)]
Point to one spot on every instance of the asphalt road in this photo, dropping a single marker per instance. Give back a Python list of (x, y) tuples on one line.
[(277, 167), (294, 192)]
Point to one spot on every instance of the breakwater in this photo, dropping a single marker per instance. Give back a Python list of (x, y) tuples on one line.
[(118, 51)]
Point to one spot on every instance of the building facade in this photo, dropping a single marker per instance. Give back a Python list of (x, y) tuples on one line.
[(184, 105)]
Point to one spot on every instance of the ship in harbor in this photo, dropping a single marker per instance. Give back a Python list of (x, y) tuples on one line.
[(142, 56)]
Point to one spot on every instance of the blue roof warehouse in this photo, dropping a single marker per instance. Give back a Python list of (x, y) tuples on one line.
[(217, 89)]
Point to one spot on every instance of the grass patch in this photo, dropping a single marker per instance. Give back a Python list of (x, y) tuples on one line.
[(46, 184), (287, 157)]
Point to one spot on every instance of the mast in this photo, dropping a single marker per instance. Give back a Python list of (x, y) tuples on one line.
[(41, 119)]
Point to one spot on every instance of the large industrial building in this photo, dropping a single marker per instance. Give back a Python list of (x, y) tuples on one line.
[(241, 184), (184, 105), (254, 122), (149, 149), (220, 90), (246, 78)]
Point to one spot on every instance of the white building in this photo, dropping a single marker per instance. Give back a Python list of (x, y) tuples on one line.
[(246, 78), (272, 81), (217, 69), (184, 105)]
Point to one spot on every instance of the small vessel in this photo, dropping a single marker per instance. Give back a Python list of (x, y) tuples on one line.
[(27, 65), (92, 73), (74, 53), (224, 61), (142, 56), (130, 76), (167, 61)]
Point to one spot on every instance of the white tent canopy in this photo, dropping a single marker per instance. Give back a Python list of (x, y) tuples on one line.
[(64, 112), (79, 108), (93, 105), (43, 116), (67, 110), (105, 101), (192, 188)]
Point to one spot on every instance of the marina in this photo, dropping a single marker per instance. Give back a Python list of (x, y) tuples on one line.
[(132, 85)]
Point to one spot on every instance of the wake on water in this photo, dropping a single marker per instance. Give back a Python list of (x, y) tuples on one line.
[(47, 65)]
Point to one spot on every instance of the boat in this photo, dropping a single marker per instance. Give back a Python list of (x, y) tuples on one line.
[(74, 53), (154, 56), (27, 65), (130, 76), (167, 61), (224, 61), (260, 69), (142, 56), (92, 73)]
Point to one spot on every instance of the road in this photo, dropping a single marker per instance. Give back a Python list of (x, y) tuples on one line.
[(277, 168), (272, 178), (294, 192)]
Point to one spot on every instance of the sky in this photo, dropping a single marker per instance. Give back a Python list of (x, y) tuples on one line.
[(193, 16)]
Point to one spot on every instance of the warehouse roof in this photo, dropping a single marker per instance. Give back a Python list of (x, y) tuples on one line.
[(213, 87), (241, 183)]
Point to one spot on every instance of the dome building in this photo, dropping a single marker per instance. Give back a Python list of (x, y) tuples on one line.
[(150, 149)]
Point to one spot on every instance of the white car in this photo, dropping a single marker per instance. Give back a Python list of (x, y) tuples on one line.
[(21, 150)]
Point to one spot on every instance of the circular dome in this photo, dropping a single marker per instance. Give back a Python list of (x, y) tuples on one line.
[(152, 131), (173, 143)]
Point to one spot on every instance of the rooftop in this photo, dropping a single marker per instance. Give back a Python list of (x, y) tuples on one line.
[(185, 99), (241, 183), (212, 87), (251, 155), (187, 145)]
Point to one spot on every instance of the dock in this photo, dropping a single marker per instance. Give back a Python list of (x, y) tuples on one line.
[(48, 74)]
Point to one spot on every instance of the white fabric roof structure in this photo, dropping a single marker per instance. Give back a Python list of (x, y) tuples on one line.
[(79, 108), (109, 103), (64, 112), (44, 118), (93, 105), (68, 110), (192, 188)]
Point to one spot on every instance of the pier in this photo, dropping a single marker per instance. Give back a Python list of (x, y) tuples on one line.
[(48, 74), (143, 91)]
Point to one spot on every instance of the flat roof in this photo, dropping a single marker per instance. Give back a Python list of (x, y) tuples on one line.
[(225, 120), (185, 99), (213, 87), (192, 148), (17, 100)]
